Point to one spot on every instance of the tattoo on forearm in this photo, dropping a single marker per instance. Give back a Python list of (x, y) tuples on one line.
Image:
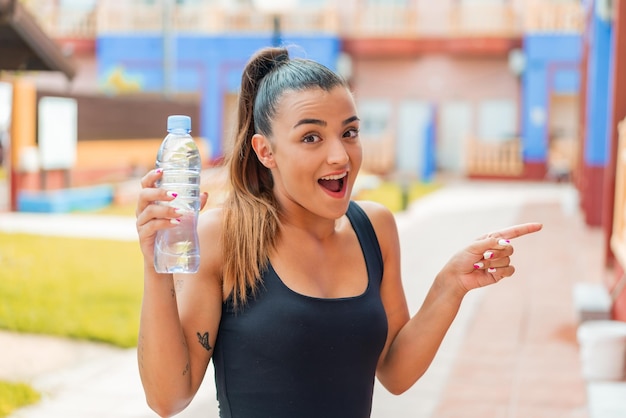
[(186, 369), (204, 340), (173, 291)]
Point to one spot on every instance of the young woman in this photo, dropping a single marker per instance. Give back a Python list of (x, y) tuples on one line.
[(299, 299)]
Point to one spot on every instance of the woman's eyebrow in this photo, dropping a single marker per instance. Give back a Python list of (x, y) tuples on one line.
[(310, 121), (320, 122), (351, 119)]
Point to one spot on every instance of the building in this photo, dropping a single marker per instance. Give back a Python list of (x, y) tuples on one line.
[(451, 85)]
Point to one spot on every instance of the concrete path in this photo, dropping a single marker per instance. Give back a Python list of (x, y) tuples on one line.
[(86, 380)]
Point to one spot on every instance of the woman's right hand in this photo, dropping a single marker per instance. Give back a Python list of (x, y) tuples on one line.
[(152, 216)]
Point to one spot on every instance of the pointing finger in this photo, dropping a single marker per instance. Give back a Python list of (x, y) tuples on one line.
[(516, 231)]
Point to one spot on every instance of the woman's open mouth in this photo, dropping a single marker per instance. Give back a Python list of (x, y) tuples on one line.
[(334, 183)]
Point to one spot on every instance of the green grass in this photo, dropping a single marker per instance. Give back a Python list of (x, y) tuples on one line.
[(392, 196), (79, 288), (14, 396), (86, 289)]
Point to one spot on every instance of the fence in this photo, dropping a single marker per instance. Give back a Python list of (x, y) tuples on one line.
[(379, 155), (494, 159)]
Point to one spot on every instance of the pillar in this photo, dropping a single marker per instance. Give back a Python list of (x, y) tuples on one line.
[(23, 136)]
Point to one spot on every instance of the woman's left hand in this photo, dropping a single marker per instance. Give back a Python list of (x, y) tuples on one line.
[(488, 259)]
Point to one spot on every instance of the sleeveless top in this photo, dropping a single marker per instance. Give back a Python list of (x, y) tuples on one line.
[(287, 355)]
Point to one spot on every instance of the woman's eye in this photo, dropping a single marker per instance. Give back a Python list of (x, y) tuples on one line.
[(351, 133), (311, 139)]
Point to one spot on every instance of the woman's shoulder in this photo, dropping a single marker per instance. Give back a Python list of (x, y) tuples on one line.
[(211, 221), (210, 227), (384, 223), (382, 219), (378, 214)]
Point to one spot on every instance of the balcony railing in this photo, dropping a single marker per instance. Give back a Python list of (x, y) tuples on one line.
[(432, 20), (63, 22), (545, 16), (379, 154), (494, 159), (426, 19), (204, 17)]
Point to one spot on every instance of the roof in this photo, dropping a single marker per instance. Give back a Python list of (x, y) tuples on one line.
[(24, 46)]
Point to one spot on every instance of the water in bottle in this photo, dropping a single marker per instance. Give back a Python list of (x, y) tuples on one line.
[(176, 249)]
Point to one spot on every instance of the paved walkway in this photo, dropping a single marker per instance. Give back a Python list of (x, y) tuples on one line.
[(511, 352)]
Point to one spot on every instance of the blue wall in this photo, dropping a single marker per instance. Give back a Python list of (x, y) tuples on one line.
[(552, 62), (208, 65), (598, 117)]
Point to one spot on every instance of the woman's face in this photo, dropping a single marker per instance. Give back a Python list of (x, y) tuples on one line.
[(314, 151)]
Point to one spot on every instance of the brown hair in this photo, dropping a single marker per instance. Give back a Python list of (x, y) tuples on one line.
[(251, 220)]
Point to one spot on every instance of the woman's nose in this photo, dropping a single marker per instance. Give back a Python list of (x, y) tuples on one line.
[(337, 153)]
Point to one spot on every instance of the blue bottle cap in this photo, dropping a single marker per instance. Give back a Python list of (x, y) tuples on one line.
[(178, 122)]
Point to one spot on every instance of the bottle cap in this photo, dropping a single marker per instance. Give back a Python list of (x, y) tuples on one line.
[(178, 122)]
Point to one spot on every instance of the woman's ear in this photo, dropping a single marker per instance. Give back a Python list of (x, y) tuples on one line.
[(263, 149)]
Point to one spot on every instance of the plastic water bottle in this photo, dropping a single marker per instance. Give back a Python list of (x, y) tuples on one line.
[(176, 249)]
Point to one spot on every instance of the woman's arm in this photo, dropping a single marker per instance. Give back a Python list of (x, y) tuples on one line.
[(413, 342), (180, 314)]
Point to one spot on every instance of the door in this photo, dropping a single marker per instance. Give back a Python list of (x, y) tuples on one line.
[(411, 150), (455, 126)]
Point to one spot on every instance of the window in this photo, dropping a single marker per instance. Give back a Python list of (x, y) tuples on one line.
[(374, 115), (497, 120)]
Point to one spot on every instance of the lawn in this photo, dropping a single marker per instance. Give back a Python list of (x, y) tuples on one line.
[(86, 289), (14, 396), (78, 288), (396, 197)]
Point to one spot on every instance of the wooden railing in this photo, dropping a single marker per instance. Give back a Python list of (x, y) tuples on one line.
[(431, 19), (63, 22), (204, 17), (380, 21), (379, 155), (546, 16), (485, 19), (486, 158), (422, 19), (618, 236)]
